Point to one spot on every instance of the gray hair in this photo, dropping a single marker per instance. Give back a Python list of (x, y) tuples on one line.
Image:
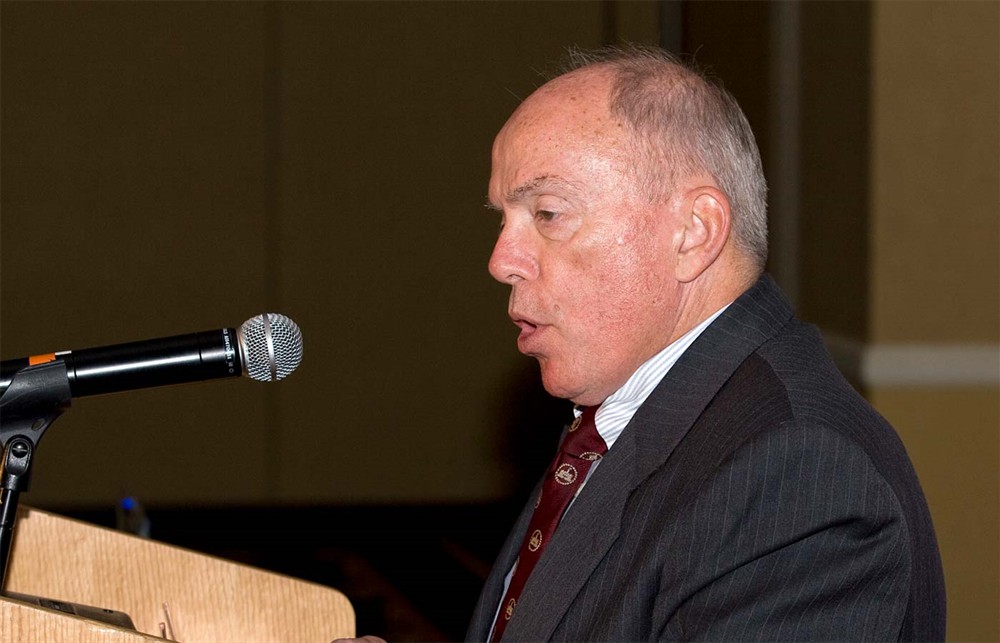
[(685, 123)]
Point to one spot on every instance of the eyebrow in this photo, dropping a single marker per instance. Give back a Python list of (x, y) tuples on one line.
[(533, 186)]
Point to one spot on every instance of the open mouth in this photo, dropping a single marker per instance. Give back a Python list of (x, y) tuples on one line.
[(527, 340), (525, 325)]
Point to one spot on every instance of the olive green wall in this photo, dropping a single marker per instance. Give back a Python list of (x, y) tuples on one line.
[(936, 173), (179, 166)]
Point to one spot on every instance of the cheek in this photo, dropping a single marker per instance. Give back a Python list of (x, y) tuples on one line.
[(616, 280), (632, 268), (614, 292)]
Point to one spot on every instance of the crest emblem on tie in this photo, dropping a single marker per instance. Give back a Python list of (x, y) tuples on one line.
[(507, 613), (566, 474), (536, 540), (576, 424), (590, 455)]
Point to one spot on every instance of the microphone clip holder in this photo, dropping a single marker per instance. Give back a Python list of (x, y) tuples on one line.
[(36, 397)]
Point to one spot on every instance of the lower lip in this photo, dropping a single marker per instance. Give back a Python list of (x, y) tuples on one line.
[(529, 335)]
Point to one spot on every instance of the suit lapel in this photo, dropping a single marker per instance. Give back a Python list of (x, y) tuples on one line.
[(594, 521), (687, 389)]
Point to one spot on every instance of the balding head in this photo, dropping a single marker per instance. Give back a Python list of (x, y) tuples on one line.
[(684, 124)]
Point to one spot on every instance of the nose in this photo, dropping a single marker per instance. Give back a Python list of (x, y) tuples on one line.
[(512, 259)]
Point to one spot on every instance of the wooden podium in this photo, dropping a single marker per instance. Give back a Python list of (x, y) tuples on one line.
[(209, 599)]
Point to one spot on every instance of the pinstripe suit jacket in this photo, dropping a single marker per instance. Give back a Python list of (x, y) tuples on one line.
[(754, 496)]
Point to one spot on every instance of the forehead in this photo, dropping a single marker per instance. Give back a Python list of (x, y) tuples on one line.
[(559, 135)]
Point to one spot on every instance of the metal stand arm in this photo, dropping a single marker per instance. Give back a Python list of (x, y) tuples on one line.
[(37, 395)]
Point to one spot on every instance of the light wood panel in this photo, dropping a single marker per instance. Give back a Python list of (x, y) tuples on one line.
[(209, 599)]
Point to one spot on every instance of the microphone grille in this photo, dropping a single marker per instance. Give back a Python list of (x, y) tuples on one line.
[(272, 346)]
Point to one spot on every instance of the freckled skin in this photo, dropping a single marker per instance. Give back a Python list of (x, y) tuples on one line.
[(596, 280)]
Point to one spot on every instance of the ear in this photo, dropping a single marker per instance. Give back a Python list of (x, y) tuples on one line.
[(707, 221)]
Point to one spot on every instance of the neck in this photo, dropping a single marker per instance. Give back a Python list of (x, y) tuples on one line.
[(719, 285)]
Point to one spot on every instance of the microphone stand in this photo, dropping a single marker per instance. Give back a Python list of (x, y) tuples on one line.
[(36, 397)]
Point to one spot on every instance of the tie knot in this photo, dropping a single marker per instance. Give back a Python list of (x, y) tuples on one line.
[(582, 439)]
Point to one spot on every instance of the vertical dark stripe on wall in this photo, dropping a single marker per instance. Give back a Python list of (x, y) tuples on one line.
[(784, 167), (609, 22), (672, 25), (834, 152)]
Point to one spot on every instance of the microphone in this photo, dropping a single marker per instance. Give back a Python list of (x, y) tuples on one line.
[(267, 347)]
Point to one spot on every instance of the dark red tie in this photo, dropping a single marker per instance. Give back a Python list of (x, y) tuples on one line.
[(578, 451)]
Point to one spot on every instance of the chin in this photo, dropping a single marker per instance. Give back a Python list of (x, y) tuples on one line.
[(557, 384), (576, 389)]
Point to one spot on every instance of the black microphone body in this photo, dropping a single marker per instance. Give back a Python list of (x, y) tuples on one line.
[(179, 359), (267, 347)]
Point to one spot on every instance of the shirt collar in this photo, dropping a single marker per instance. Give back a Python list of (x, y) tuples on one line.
[(617, 410)]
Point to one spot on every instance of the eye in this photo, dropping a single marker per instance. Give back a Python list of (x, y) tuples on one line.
[(557, 224)]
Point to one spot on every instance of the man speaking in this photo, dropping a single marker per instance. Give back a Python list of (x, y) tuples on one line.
[(722, 481)]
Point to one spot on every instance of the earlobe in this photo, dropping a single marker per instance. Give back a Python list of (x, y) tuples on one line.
[(706, 231)]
